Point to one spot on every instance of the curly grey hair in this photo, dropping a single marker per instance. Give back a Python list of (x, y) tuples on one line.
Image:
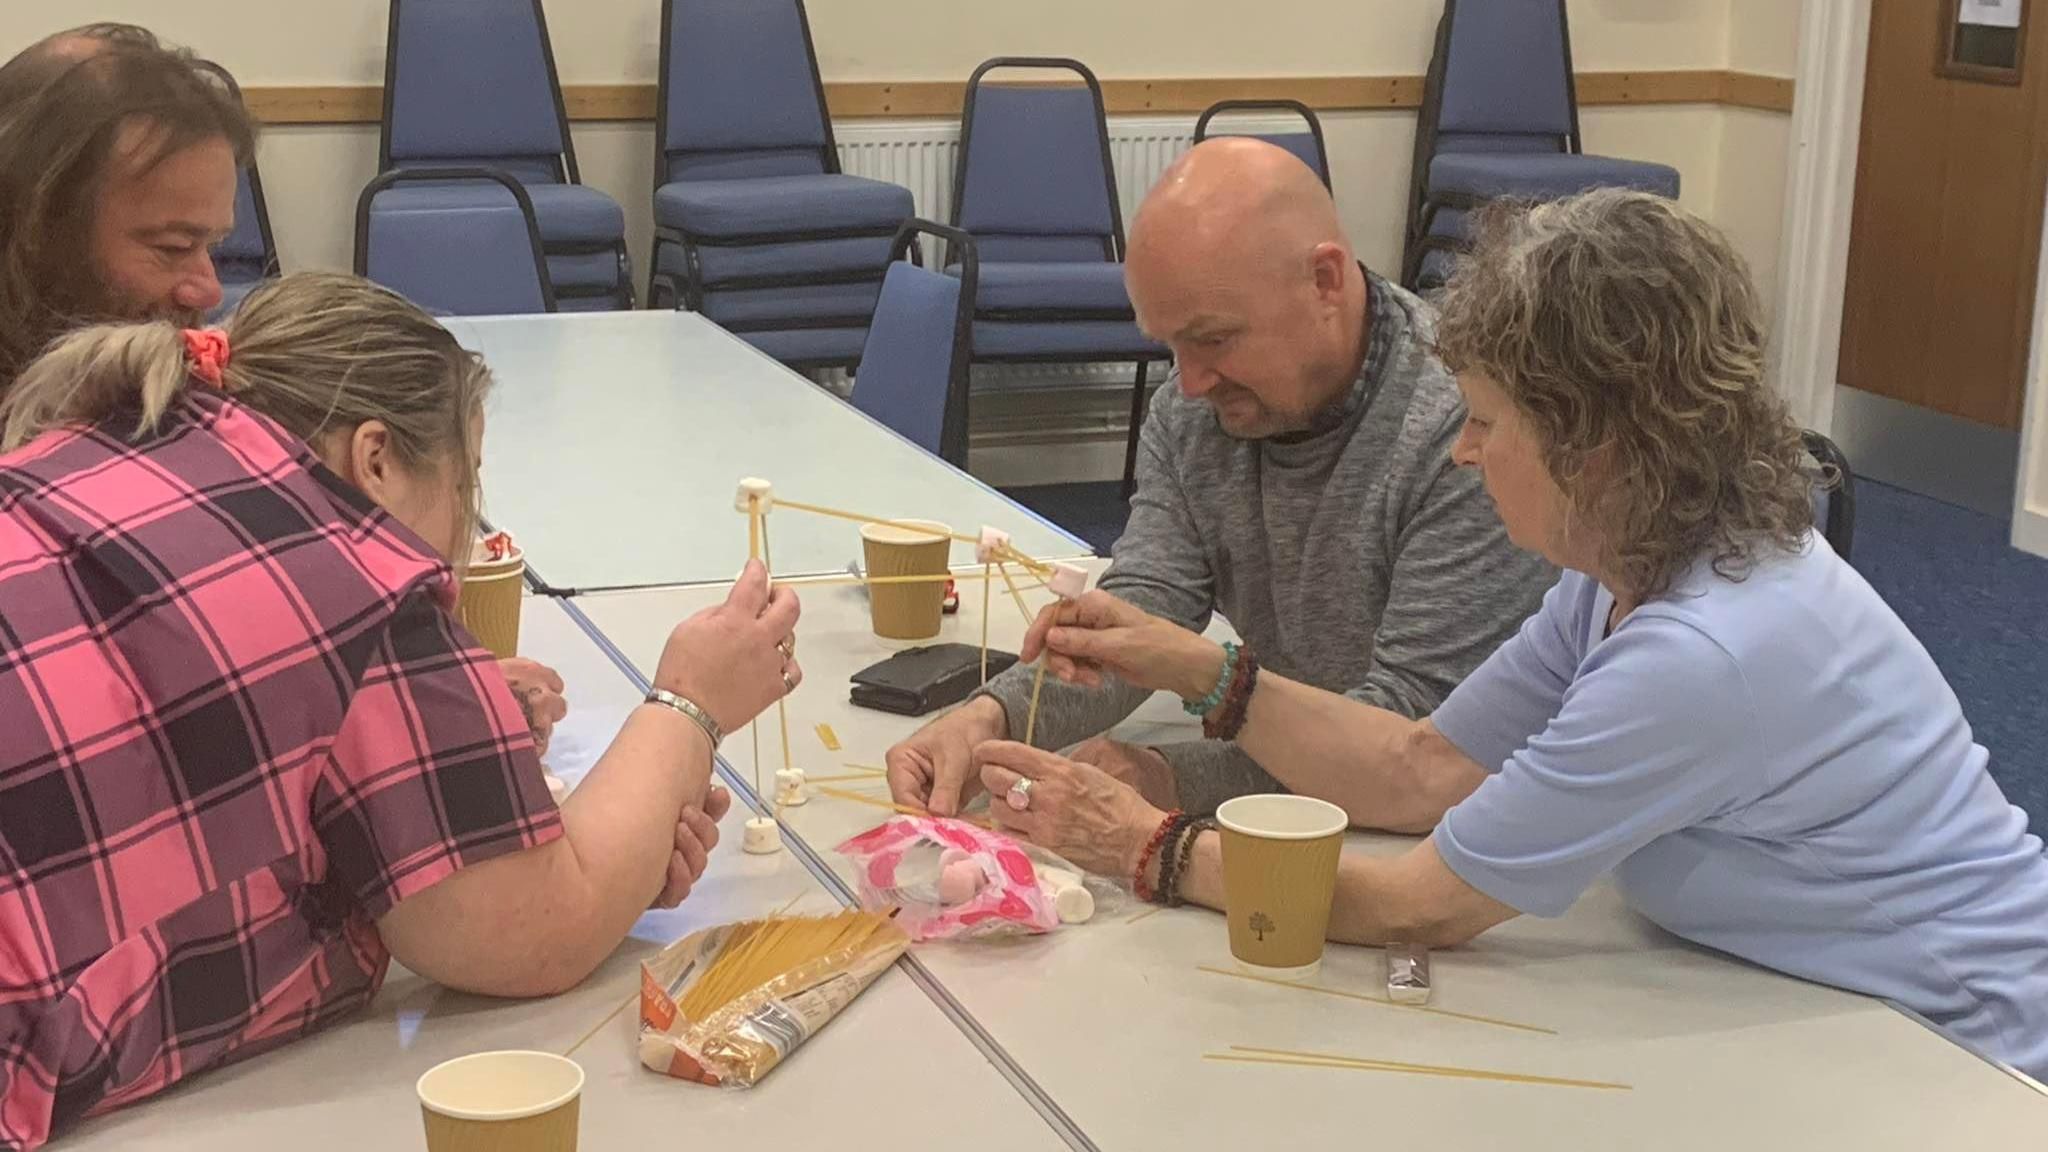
[(1621, 324)]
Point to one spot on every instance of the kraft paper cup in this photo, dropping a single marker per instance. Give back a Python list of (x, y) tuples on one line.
[(489, 602), (502, 1102), (1279, 876), (907, 611)]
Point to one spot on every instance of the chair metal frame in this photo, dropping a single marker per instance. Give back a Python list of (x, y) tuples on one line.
[(1113, 249), (566, 170), (1840, 528), (271, 266), (689, 291), (396, 176), (1307, 114)]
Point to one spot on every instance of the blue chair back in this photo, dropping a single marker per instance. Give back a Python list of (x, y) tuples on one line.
[(248, 242), (456, 249), (913, 368), (1034, 181), (1307, 146), (472, 82), (1507, 71), (740, 93)]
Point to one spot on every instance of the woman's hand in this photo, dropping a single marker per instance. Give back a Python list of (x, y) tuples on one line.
[(696, 836), (538, 688), (1099, 634), (738, 658), (1072, 809)]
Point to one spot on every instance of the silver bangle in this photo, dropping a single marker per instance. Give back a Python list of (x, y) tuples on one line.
[(689, 708)]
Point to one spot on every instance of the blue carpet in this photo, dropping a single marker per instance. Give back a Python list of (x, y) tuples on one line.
[(1979, 606)]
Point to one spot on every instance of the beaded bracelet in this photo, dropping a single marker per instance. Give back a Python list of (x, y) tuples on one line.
[(1183, 852), (1224, 680), (1168, 850), (1225, 722), (1138, 884)]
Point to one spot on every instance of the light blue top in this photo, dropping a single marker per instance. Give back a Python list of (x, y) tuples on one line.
[(1773, 767)]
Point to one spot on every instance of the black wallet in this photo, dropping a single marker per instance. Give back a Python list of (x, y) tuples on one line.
[(917, 680)]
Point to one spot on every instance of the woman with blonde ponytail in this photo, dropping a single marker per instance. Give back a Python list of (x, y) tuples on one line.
[(247, 755)]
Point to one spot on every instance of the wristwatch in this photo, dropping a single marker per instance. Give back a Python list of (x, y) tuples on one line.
[(689, 708)]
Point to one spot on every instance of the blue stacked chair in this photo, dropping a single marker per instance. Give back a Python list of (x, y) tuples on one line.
[(1035, 187), (247, 256), (1500, 118), (1307, 145), (455, 241), (914, 366), (472, 84), (755, 226)]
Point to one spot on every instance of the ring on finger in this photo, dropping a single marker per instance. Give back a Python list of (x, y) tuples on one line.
[(788, 685), (787, 646), (1019, 795)]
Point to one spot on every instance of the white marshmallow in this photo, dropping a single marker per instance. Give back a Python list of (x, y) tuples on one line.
[(1074, 905), (557, 787), (789, 787), (761, 837), (1068, 581), (993, 541), (753, 489)]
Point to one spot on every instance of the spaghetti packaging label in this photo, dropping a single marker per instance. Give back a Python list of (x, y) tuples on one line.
[(726, 1005)]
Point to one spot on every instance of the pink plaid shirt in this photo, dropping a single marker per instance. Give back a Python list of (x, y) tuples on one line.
[(237, 724)]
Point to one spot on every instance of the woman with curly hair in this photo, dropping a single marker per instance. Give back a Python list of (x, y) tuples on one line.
[(1710, 705)]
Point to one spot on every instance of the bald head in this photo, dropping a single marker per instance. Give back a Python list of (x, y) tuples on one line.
[(1238, 200), (1238, 263)]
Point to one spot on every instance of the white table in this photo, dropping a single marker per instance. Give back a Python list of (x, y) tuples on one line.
[(615, 442), (1111, 1018), (351, 1087)]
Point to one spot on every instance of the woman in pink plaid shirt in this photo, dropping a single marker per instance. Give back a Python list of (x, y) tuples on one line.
[(246, 754)]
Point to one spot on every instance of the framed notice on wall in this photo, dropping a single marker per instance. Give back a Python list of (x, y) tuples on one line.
[(1983, 40)]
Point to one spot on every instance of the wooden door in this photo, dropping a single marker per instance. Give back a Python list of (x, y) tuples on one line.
[(1949, 183)]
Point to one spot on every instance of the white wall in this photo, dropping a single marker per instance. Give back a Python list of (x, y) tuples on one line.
[(1731, 160)]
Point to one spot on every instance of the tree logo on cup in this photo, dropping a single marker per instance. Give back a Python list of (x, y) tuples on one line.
[(1261, 924)]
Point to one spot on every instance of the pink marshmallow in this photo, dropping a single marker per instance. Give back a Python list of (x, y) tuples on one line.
[(960, 881)]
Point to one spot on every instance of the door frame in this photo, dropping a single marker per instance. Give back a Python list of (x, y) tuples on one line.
[(1820, 201)]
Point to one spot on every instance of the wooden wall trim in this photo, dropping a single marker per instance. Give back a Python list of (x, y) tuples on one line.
[(853, 100)]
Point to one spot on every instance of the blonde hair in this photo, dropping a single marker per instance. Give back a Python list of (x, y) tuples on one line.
[(320, 353), (1620, 324)]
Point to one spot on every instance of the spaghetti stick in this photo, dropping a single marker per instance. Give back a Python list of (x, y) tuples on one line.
[(1326, 1060), (1363, 999), (608, 1018), (754, 553), (900, 809), (849, 578), (857, 518), (987, 588), (1031, 717), (781, 702), (1029, 619)]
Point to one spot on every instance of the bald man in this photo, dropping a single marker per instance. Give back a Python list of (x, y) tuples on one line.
[(1298, 480)]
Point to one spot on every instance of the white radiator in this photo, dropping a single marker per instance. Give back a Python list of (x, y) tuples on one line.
[(919, 154)]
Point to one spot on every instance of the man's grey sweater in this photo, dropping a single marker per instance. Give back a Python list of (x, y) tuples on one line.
[(1354, 556)]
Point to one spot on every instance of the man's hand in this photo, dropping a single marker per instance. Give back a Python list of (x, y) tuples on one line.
[(1140, 767), (934, 768), (538, 689)]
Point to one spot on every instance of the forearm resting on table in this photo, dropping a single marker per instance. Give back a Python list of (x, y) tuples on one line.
[(1413, 898), (537, 922), (1385, 770)]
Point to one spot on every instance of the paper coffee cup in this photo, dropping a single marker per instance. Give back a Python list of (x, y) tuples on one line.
[(907, 611), (488, 604), (502, 1102), (1279, 875)]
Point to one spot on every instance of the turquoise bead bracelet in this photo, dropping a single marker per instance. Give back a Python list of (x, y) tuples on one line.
[(1214, 699)]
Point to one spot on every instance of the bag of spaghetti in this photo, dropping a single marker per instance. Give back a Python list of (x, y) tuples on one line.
[(724, 1006)]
